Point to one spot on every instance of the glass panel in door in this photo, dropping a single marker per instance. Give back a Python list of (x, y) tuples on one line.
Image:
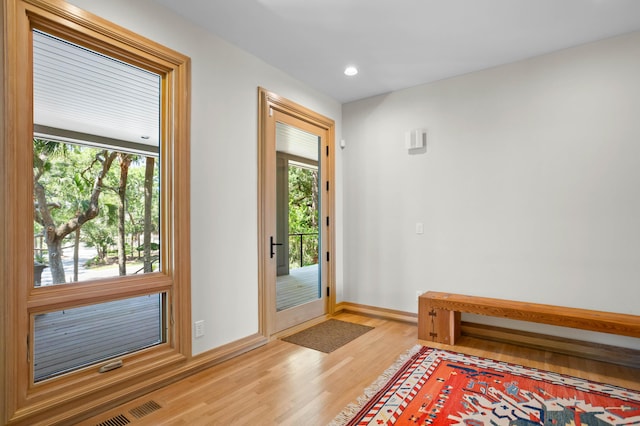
[(298, 277)]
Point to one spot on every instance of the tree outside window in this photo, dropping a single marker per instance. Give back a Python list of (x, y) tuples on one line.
[(101, 201)]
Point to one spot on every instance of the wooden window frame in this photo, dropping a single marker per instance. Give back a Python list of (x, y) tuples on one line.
[(70, 395)]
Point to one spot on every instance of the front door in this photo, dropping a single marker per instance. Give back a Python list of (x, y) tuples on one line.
[(296, 210)]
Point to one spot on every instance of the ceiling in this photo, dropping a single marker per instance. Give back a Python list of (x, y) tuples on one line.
[(403, 43), (81, 96)]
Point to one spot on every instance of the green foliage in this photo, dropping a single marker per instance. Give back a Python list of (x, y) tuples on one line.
[(39, 258), (303, 200), (67, 173), (153, 246), (98, 234), (303, 215)]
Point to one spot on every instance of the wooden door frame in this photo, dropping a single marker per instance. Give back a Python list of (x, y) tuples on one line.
[(267, 102)]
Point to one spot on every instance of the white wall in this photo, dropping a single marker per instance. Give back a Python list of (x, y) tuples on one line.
[(529, 189), (223, 162)]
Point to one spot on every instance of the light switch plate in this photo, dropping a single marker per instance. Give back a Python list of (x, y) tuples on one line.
[(199, 328)]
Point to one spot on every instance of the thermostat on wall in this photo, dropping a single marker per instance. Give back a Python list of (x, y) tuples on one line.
[(415, 139)]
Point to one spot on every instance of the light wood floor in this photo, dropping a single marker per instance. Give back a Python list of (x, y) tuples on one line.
[(285, 384)]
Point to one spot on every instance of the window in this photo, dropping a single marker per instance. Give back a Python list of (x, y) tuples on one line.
[(73, 180), (96, 183), (69, 339)]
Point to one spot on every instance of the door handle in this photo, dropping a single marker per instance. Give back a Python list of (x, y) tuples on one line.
[(273, 253)]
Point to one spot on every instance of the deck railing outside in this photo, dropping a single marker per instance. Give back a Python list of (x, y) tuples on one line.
[(303, 249)]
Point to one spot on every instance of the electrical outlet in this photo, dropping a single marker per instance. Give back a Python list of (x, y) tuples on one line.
[(199, 328)]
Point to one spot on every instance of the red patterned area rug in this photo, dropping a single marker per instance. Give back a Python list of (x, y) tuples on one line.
[(436, 387)]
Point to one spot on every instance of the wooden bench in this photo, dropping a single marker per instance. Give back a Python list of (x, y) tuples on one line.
[(439, 316)]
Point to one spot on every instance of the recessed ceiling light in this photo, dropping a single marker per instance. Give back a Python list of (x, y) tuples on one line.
[(350, 71)]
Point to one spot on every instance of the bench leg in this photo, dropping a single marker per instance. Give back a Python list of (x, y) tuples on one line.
[(437, 325)]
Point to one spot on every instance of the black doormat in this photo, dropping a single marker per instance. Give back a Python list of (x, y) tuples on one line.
[(328, 336)]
